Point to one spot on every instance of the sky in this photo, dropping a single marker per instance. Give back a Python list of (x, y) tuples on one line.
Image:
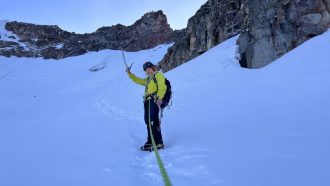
[(85, 16)]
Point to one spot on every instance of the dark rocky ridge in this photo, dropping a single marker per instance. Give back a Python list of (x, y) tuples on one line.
[(52, 42), (268, 30)]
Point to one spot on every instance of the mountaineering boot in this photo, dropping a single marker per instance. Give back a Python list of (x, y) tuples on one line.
[(146, 146), (159, 146)]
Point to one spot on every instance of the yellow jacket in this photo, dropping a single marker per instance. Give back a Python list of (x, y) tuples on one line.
[(150, 84)]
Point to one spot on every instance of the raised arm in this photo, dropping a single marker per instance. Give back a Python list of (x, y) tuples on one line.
[(136, 79)]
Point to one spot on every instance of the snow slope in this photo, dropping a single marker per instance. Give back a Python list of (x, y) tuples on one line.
[(61, 124)]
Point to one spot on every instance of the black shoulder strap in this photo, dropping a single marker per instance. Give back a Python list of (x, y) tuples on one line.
[(155, 80)]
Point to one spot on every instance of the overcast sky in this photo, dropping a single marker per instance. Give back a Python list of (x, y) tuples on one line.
[(83, 16)]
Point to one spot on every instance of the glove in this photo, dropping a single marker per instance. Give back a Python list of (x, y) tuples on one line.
[(128, 70)]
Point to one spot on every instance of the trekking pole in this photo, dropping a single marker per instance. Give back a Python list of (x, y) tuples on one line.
[(122, 52)]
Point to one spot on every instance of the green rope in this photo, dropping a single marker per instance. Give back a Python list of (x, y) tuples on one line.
[(166, 179)]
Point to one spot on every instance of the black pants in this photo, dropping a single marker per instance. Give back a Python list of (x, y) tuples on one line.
[(154, 120)]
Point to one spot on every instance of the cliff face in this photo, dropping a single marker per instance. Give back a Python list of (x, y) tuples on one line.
[(268, 29), (277, 26), (214, 22), (52, 42)]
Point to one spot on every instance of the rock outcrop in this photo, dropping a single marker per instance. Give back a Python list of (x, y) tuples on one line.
[(277, 26), (268, 29), (214, 22), (52, 42)]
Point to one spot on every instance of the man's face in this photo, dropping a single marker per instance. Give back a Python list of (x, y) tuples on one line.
[(149, 71)]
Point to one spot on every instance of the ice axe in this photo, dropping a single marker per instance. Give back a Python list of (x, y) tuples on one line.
[(129, 68)]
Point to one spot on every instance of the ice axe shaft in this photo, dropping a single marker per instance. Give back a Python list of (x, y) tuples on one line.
[(123, 54)]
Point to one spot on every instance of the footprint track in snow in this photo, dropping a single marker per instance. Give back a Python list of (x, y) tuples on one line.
[(178, 161), (143, 164)]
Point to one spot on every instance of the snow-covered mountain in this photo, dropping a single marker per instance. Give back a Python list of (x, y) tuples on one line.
[(62, 124)]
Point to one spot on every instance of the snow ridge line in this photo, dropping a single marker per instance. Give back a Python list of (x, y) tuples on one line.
[(25, 63)]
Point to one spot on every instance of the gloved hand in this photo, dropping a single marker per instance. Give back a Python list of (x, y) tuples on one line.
[(128, 70), (159, 101)]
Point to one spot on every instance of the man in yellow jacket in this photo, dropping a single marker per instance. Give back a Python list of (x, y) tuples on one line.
[(152, 99)]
